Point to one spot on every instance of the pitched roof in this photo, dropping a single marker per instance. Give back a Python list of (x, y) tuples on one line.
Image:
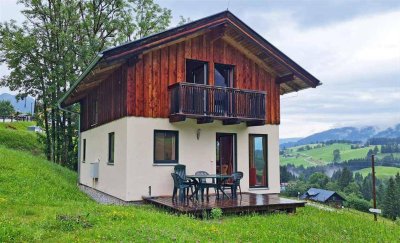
[(290, 75), (319, 195)]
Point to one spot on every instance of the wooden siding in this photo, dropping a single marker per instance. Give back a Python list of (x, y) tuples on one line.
[(158, 68), (111, 97), (140, 87)]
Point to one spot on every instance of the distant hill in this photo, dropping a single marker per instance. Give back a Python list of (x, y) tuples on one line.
[(389, 133), (346, 133), (23, 106), (288, 140)]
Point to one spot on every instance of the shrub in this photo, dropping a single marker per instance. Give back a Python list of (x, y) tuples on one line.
[(353, 201), (216, 213)]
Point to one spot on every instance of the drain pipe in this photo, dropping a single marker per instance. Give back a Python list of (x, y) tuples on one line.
[(79, 138)]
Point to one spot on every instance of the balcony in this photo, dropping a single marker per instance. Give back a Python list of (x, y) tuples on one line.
[(206, 103)]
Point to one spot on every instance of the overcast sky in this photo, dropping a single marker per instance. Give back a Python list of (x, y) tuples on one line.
[(353, 47)]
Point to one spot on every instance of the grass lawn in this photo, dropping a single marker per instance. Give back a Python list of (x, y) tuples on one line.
[(15, 135), (39, 201), (382, 172), (324, 155)]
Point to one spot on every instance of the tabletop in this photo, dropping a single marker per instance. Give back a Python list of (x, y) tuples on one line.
[(218, 176)]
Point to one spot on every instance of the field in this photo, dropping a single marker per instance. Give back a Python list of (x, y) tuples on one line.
[(323, 155), (39, 201), (383, 172)]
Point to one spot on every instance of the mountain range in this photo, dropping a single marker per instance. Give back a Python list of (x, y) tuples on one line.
[(26, 105), (344, 133)]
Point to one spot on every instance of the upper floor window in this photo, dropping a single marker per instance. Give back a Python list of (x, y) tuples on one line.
[(223, 75), (196, 72), (94, 115)]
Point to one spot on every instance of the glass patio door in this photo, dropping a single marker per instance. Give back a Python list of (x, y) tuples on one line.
[(258, 160), (226, 153)]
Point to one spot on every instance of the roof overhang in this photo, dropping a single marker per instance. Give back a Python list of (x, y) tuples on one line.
[(288, 74)]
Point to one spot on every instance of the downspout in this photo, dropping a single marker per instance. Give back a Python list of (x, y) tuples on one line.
[(72, 88)]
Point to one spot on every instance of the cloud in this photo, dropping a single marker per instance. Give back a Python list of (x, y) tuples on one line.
[(358, 61)]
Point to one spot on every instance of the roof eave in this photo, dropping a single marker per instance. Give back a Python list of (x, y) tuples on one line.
[(81, 77)]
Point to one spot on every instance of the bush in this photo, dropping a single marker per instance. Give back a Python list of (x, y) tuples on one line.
[(294, 188), (353, 201), (216, 213)]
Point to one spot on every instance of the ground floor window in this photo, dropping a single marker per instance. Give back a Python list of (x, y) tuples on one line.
[(258, 162), (165, 146), (111, 143), (84, 151)]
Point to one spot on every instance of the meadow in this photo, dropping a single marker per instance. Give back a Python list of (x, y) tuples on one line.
[(40, 201), (382, 172), (323, 155)]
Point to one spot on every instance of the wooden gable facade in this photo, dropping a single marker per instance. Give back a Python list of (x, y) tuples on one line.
[(135, 80)]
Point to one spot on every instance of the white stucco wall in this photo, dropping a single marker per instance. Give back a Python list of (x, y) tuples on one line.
[(112, 178), (134, 171)]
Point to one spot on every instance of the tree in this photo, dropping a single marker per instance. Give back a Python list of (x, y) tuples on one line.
[(345, 178), (376, 150), (389, 205), (318, 180), (336, 156), (6, 109), (58, 40)]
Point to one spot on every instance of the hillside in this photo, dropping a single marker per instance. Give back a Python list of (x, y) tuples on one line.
[(383, 172), (344, 133), (322, 155), (24, 106), (15, 135), (40, 201)]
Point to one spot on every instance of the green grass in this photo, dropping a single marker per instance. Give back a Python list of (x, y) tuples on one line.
[(324, 155), (382, 172), (39, 201), (15, 135)]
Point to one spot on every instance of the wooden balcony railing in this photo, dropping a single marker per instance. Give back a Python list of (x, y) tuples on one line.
[(195, 100)]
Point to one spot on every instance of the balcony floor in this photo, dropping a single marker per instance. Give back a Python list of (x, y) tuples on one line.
[(249, 202)]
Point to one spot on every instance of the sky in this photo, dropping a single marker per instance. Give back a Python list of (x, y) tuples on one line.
[(351, 46)]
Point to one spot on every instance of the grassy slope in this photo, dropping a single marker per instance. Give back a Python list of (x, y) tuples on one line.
[(324, 155), (383, 172), (39, 201), (15, 135)]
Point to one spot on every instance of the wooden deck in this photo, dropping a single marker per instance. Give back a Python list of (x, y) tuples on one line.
[(249, 202)]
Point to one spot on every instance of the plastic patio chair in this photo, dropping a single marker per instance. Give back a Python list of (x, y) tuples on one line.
[(236, 177), (182, 186)]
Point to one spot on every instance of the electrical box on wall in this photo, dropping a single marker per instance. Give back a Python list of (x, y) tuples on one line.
[(94, 170)]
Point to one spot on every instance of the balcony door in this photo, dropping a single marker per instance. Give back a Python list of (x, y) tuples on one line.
[(197, 73), (223, 75), (226, 153)]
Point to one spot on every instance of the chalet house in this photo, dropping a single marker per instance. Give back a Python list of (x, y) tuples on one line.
[(323, 196), (205, 94)]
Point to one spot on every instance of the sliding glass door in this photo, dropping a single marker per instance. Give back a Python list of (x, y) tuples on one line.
[(258, 160)]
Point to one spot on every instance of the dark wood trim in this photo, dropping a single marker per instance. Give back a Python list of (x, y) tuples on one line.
[(285, 78), (231, 121), (204, 120), (177, 118), (255, 123)]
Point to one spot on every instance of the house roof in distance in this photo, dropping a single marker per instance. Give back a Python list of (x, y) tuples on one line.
[(289, 75), (319, 195)]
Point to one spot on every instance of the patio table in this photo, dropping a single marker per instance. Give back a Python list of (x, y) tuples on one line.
[(220, 179)]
